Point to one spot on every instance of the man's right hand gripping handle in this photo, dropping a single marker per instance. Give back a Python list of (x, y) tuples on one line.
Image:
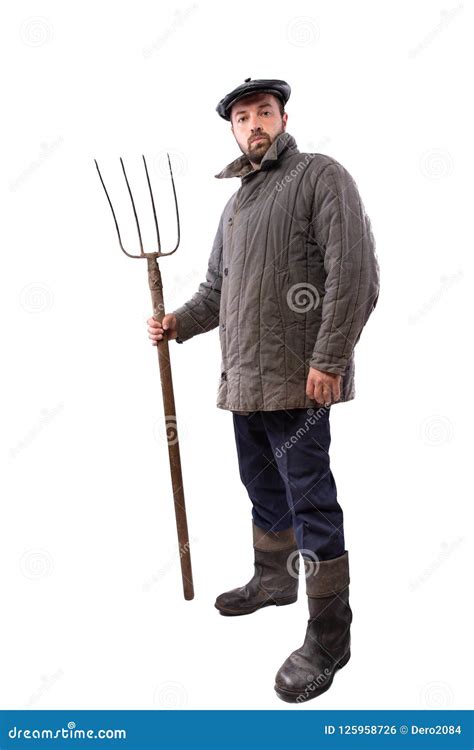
[(168, 324)]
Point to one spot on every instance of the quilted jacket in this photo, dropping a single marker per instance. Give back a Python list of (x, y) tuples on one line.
[(291, 281)]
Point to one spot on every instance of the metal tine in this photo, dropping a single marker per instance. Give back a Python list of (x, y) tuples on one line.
[(134, 209), (176, 207), (113, 214), (152, 204), (175, 204)]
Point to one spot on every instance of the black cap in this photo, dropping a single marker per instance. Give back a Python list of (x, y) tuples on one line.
[(281, 89)]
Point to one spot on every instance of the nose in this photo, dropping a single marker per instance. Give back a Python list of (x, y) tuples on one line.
[(254, 126)]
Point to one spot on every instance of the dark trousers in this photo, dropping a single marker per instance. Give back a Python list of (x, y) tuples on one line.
[(284, 465)]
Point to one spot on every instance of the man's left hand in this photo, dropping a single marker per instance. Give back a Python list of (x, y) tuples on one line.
[(323, 387)]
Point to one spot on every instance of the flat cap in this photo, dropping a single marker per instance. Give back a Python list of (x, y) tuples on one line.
[(281, 89)]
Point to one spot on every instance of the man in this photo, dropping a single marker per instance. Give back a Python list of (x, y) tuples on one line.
[(292, 279)]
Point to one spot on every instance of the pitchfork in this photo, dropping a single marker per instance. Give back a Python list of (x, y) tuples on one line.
[(156, 288)]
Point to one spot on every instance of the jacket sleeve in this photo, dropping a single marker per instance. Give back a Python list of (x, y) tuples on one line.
[(201, 313), (344, 236)]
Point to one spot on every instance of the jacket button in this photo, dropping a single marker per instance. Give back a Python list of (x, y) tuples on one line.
[(230, 220), (226, 271), (223, 326), (224, 375)]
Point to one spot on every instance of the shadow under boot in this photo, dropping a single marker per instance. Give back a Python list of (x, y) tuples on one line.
[(275, 578), (309, 671)]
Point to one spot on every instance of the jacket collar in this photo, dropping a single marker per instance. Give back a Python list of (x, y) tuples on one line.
[(284, 144)]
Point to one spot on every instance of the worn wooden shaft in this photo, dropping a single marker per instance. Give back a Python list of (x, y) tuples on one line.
[(156, 289)]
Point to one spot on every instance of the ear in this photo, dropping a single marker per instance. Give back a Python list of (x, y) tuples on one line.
[(284, 120)]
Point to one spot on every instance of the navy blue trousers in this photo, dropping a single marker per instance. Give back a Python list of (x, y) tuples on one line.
[(284, 464)]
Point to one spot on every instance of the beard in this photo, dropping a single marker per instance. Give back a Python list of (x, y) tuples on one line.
[(256, 150)]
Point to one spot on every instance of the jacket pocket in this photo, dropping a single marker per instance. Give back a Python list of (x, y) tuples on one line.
[(299, 301)]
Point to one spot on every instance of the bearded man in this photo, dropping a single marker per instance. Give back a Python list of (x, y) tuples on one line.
[(291, 281)]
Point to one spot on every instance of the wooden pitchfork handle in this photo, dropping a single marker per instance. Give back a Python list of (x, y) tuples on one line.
[(156, 289)]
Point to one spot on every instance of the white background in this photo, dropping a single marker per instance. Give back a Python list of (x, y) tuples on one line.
[(92, 609)]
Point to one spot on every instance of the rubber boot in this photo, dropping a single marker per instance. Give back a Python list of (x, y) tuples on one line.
[(275, 578), (309, 671)]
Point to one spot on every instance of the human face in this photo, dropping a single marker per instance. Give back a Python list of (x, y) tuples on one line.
[(256, 122)]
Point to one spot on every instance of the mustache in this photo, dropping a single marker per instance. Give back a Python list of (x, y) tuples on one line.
[(258, 135)]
